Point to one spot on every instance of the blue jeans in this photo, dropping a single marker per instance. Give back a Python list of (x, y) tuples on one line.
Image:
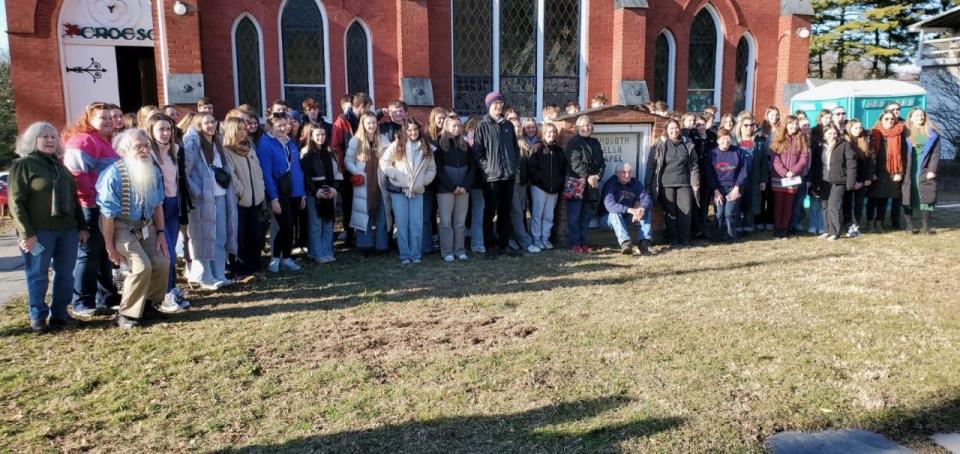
[(408, 216), (728, 217), (798, 207), (171, 229), (379, 238), (60, 251), (476, 218), (815, 216), (579, 213), (93, 276), (620, 224), (321, 232)]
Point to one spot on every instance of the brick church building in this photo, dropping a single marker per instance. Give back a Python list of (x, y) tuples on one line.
[(737, 54)]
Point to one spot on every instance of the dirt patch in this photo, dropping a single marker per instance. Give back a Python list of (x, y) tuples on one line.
[(402, 335)]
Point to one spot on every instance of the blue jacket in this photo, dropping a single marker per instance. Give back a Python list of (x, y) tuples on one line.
[(275, 159), (618, 198)]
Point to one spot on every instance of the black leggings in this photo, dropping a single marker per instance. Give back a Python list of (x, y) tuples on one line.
[(283, 243), (853, 204), (497, 201), (677, 205), (876, 209), (249, 240)]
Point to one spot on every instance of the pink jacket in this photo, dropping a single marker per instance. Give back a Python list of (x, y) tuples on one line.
[(86, 154)]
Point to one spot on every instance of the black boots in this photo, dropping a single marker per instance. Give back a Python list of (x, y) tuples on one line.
[(909, 224), (925, 223)]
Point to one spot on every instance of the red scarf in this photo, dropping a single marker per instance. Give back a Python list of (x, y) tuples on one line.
[(894, 141)]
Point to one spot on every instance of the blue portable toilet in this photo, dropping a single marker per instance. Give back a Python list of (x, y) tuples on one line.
[(862, 99)]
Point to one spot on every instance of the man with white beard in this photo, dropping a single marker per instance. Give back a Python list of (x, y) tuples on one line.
[(130, 197)]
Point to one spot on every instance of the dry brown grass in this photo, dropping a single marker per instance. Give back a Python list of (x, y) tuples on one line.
[(711, 348)]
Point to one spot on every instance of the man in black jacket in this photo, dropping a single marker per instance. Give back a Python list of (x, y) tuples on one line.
[(495, 146)]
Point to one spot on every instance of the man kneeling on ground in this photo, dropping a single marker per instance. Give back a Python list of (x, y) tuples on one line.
[(627, 203), (130, 197)]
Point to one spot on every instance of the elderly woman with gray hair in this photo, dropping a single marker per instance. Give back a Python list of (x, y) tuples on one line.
[(585, 165), (49, 222), (213, 219)]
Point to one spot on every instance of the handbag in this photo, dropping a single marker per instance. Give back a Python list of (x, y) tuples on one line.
[(357, 180), (573, 188), (222, 177)]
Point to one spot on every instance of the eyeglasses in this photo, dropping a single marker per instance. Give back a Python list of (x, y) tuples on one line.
[(141, 147)]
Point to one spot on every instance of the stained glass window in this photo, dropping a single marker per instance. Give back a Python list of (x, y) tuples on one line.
[(743, 66), (561, 52), (516, 41), (702, 65), (304, 53), (518, 54), (661, 69), (358, 73), (246, 41), (473, 55)]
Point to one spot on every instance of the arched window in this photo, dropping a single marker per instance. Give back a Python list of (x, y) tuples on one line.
[(664, 68), (473, 55), (248, 64), (535, 60), (303, 44), (706, 49), (746, 60), (357, 45)]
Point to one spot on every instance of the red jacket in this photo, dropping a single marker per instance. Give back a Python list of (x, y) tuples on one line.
[(342, 133)]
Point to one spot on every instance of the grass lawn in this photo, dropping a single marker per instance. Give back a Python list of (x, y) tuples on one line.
[(711, 348)]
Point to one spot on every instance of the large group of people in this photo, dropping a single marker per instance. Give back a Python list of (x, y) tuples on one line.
[(110, 203)]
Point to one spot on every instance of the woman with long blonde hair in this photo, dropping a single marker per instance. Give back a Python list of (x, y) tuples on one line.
[(370, 211), (921, 192), (248, 182)]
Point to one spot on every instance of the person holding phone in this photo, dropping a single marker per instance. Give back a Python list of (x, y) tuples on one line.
[(322, 178), (49, 221)]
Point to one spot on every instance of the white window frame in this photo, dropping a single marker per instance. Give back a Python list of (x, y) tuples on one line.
[(748, 92), (540, 20), (236, 74), (326, 55), (369, 34), (671, 65), (718, 64)]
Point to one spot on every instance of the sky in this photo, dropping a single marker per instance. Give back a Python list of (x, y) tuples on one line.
[(4, 44)]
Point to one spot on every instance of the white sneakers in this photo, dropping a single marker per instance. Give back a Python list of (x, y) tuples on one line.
[(287, 264), (533, 249)]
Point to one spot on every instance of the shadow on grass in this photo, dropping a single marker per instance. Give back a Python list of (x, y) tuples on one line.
[(322, 293), (527, 431), (914, 425)]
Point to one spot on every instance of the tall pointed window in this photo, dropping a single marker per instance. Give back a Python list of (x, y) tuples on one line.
[(703, 71), (304, 50), (247, 64), (358, 59), (664, 68), (743, 89)]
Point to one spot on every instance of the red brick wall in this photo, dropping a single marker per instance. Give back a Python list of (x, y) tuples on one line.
[(620, 45), (35, 62)]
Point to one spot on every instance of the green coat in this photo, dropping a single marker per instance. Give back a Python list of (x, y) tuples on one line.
[(43, 195)]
